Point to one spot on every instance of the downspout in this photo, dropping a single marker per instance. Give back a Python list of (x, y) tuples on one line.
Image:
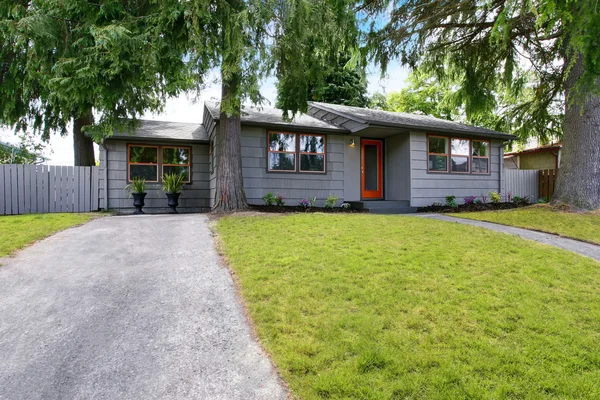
[(501, 163), (105, 173)]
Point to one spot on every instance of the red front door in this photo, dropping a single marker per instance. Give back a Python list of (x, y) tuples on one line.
[(371, 169)]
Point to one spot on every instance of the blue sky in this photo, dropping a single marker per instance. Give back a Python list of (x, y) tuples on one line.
[(184, 109)]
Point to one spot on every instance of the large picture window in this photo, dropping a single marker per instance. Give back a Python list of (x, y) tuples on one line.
[(458, 155), (143, 162), (291, 152), (176, 160)]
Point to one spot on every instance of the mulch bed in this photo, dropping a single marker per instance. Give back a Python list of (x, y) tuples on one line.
[(470, 207), (296, 209)]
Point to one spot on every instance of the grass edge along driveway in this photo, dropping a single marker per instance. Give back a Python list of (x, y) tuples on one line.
[(380, 307), (583, 226), (19, 231)]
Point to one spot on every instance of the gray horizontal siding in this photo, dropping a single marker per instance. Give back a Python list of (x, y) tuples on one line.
[(196, 196), (292, 186), (427, 187)]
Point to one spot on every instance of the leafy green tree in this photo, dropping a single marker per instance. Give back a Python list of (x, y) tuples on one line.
[(378, 101), (342, 84), (66, 61), (480, 43), (28, 151), (249, 40)]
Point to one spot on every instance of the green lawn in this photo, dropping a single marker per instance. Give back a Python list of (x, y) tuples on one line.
[(18, 231), (582, 226), (394, 307)]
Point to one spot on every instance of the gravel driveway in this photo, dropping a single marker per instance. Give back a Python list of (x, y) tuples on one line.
[(127, 308)]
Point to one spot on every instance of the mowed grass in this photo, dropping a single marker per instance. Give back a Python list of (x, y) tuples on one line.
[(582, 226), (18, 231), (393, 307)]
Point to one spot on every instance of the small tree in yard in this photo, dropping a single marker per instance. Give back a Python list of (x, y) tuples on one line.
[(481, 43)]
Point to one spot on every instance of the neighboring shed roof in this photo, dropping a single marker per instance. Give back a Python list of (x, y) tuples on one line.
[(368, 117), (547, 147), (274, 117), (164, 130)]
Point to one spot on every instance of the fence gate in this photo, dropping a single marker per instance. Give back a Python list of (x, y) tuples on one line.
[(47, 189), (547, 182)]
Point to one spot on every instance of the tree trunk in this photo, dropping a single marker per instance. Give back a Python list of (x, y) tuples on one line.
[(83, 146), (578, 181), (230, 194)]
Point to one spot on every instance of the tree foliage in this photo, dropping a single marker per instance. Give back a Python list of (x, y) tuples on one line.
[(63, 58), (342, 84), (28, 151), (481, 46)]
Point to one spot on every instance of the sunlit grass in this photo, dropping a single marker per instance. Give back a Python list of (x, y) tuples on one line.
[(582, 226), (18, 231), (392, 307)]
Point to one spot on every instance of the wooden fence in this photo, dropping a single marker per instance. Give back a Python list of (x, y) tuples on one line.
[(47, 189), (521, 182), (547, 181)]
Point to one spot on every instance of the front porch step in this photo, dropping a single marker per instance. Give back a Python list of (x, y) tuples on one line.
[(373, 204), (384, 206), (393, 210)]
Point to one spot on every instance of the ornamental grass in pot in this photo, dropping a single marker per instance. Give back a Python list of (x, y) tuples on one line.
[(173, 186), (137, 190)]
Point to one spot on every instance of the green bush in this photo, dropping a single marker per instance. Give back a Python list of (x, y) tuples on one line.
[(331, 201)]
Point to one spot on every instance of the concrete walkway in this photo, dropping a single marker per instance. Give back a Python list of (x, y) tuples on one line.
[(576, 246), (127, 308)]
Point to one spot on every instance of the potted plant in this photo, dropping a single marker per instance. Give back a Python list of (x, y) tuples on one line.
[(137, 190), (172, 185)]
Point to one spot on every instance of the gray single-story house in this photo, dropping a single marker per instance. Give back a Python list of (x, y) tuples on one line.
[(387, 161)]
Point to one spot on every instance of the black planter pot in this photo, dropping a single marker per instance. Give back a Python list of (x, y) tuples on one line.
[(173, 202), (138, 202)]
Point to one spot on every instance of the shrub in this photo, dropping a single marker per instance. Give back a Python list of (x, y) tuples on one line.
[(137, 185), (304, 203), (469, 199), (521, 201), (331, 201), (346, 206), (484, 199), (313, 201), (279, 200), (495, 197), (451, 201), (543, 200), (173, 183), (436, 204), (269, 199), (478, 201)]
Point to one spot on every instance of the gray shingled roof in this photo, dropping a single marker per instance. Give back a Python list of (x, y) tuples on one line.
[(165, 130), (274, 117), (405, 120)]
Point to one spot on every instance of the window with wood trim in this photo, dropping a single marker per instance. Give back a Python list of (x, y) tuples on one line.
[(437, 153), (312, 153), (142, 162), (480, 152), (460, 153), (176, 160), (282, 152)]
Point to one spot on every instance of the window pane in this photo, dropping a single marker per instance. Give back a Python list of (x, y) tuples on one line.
[(371, 172), (480, 165), (438, 163), (178, 170), (140, 154), (312, 144), (282, 162), (282, 142), (148, 172), (480, 148), (176, 155), (309, 162), (460, 146), (438, 145), (460, 164)]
